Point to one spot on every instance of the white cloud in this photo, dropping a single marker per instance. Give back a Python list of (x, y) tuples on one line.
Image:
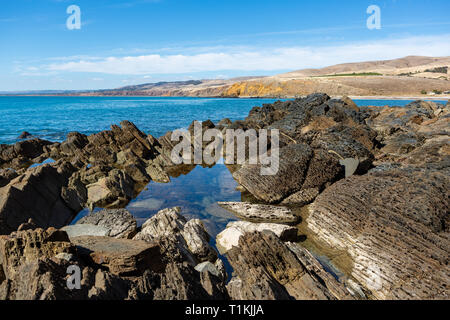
[(259, 59)]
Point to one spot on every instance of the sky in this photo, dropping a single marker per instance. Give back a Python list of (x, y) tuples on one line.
[(129, 42)]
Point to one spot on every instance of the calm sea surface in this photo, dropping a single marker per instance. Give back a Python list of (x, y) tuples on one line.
[(52, 118)]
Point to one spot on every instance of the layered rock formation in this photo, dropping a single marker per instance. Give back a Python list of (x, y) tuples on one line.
[(389, 227), (119, 222), (37, 264), (394, 225), (265, 268), (316, 134), (260, 212)]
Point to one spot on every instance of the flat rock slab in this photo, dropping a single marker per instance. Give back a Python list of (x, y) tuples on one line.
[(122, 257), (229, 238), (79, 230), (260, 212), (119, 223), (208, 267)]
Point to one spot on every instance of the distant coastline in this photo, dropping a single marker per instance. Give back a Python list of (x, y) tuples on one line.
[(383, 97), (408, 78)]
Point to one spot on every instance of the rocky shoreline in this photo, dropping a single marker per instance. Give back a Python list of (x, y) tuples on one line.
[(370, 184)]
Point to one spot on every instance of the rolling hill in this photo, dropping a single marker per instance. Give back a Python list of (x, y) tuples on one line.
[(412, 76)]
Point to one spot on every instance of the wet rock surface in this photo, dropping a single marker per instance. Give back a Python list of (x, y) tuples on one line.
[(229, 237), (37, 195), (119, 223), (34, 266), (120, 257), (399, 243), (266, 269), (371, 185), (190, 236), (261, 212), (316, 134), (21, 154)]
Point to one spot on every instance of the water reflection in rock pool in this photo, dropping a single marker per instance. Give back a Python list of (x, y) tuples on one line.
[(196, 192)]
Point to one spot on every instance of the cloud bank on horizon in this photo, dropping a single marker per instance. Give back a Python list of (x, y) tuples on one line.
[(122, 42), (258, 59)]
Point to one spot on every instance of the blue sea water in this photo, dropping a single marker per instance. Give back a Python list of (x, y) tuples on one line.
[(52, 118)]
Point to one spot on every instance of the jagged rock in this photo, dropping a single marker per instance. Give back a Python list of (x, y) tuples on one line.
[(434, 151), (260, 212), (183, 282), (197, 240), (316, 269), (19, 155), (299, 167), (292, 167), (348, 142), (302, 197), (75, 193), (24, 135), (37, 195), (163, 224), (391, 119), (41, 279), (292, 116), (29, 225), (190, 236), (266, 269), (74, 144), (439, 126), (220, 266), (330, 125), (119, 223), (34, 264), (6, 175), (157, 173), (23, 246), (137, 172), (117, 188), (105, 146), (207, 267), (415, 142), (393, 224), (33, 267), (319, 124), (229, 237), (298, 112), (349, 102)]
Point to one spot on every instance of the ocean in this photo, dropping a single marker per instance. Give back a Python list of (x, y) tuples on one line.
[(52, 118)]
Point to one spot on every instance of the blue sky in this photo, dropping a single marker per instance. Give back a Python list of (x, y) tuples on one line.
[(139, 41)]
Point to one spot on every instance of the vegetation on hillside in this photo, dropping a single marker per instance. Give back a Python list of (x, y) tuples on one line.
[(354, 74)]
